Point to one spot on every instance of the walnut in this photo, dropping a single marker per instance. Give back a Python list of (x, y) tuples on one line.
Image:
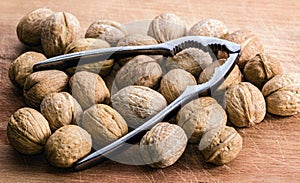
[(220, 145), (282, 94), (141, 70), (192, 60), (107, 30), (28, 131), (30, 26), (104, 124), (137, 104), (102, 68), (245, 105), (39, 84), (175, 82), (88, 89), (61, 109), (67, 145), (58, 31), (200, 115), (22, 67), (163, 145), (262, 68), (250, 45), (166, 26), (209, 27)]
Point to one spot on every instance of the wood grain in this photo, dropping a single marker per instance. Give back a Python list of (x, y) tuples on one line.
[(271, 149)]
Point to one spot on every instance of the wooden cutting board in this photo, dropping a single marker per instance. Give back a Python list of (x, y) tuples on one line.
[(271, 149)]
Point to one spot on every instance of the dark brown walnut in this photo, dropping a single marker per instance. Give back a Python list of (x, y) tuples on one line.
[(22, 67), (142, 70), (250, 45), (29, 27), (58, 31), (199, 116), (209, 27), (262, 68), (103, 68), (175, 82), (137, 104), (192, 60), (28, 131), (163, 145), (67, 145), (107, 30), (166, 26), (39, 84), (282, 94), (220, 145), (245, 105), (88, 89), (61, 109), (104, 124), (134, 40)]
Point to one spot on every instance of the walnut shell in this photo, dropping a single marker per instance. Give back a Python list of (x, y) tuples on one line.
[(261, 68), (107, 30), (88, 89), (29, 27), (250, 45), (175, 82), (220, 145), (200, 115), (192, 60), (102, 68), (282, 94), (245, 105), (142, 70), (137, 104), (22, 67), (134, 40), (166, 26), (104, 124), (39, 84), (28, 131), (209, 27), (61, 109), (163, 145), (58, 31), (67, 145)]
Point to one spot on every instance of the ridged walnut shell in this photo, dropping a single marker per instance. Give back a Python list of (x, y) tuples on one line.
[(29, 27), (163, 145), (199, 116), (39, 84), (142, 70), (104, 124), (61, 109), (88, 89), (28, 131), (137, 104), (67, 145), (110, 31), (220, 145), (261, 69), (58, 31), (245, 105), (103, 68), (22, 67), (282, 94), (209, 27), (175, 82), (166, 26)]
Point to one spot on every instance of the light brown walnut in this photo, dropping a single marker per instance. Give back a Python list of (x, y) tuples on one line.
[(209, 27)]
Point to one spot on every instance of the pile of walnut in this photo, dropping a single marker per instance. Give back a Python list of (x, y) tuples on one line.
[(87, 107)]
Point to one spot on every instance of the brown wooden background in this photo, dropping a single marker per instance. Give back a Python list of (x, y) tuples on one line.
[(271, 151)]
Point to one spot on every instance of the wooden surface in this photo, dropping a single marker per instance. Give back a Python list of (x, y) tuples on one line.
[(271, 150)]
